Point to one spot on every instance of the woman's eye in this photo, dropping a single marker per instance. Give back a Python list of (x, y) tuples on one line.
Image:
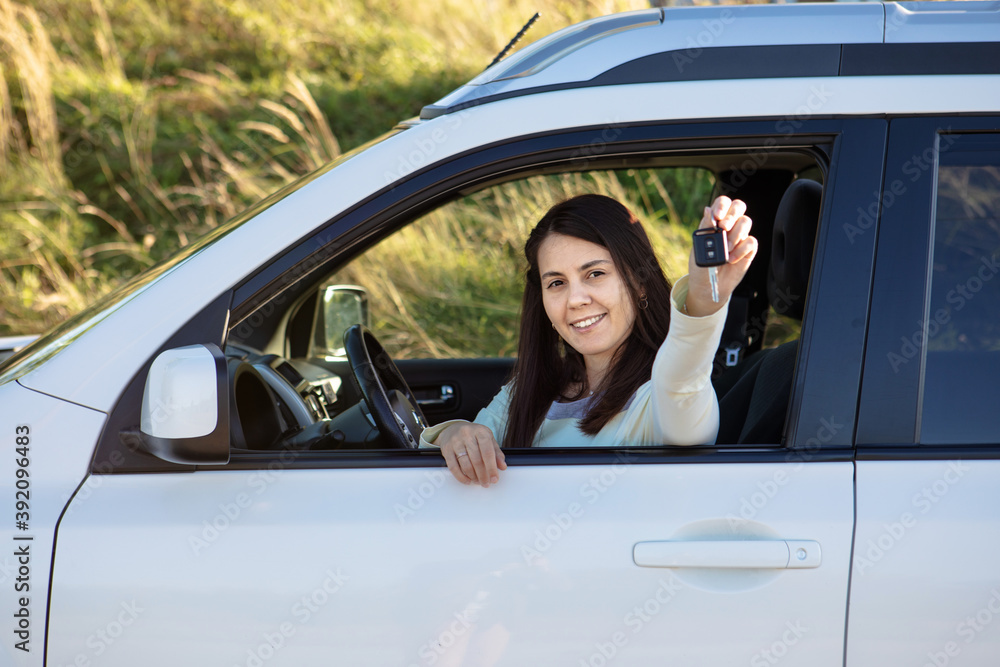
[(596, 274), (554, 283)]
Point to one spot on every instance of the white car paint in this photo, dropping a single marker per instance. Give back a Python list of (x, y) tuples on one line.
[(61, 439), (925, 583), (537, 570)]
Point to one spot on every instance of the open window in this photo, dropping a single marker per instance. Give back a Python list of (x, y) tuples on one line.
[(441, 292)]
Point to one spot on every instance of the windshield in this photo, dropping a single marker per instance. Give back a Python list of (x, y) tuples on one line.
[(48, 345)]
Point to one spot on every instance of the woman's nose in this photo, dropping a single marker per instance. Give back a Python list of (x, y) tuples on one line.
[(579, 295)]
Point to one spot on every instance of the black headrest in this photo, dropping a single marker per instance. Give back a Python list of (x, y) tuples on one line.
[(794, 236)]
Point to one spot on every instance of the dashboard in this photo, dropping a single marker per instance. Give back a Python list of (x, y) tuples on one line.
[(278, 403)]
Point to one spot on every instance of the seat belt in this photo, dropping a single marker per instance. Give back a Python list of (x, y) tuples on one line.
[(734, 339)]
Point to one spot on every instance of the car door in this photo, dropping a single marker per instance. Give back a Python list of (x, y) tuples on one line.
[(925, 589), (710, 555)]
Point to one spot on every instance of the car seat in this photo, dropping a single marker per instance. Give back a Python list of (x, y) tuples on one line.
[(753, 396)]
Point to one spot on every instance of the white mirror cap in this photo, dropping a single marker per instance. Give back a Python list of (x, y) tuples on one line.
[(181, 399)]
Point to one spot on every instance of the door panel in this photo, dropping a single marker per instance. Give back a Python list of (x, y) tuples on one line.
[(475, 382), (925, 587), (405, 566)]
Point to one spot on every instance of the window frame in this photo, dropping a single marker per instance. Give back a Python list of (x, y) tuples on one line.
[(828, 372), (891, 398)]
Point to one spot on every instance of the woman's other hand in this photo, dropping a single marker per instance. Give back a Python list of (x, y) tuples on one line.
[(472, 453), (727, 214)]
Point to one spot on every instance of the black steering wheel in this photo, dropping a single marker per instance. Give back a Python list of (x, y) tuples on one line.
[(391, 402)]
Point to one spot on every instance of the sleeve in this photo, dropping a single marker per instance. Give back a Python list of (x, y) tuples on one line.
[(685, 407), (493, 416)]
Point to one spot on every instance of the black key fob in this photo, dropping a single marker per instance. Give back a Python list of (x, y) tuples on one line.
[(710, 247)]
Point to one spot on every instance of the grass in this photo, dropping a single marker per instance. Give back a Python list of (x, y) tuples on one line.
[(130, 127)]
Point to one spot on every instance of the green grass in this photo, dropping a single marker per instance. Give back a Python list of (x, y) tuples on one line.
[(130, 127)]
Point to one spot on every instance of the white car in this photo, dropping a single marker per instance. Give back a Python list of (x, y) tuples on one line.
[(198, 470)]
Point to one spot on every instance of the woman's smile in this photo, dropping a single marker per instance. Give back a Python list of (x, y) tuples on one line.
[(587, 323)]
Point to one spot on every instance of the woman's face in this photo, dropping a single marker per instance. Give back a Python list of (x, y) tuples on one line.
[(585, 297)]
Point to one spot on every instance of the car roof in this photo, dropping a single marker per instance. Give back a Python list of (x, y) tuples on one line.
[(746, 41)]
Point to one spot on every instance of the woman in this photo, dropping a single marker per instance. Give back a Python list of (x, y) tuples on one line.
[(596, 364)]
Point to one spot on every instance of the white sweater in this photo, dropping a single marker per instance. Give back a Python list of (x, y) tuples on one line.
[(677, 406)]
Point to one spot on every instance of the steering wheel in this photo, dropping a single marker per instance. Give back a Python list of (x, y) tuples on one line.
[(390, 400), (255, 421)]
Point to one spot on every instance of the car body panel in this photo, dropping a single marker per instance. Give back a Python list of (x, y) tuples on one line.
[(400, 563), (916, 22), (925, 587), (60, 445)]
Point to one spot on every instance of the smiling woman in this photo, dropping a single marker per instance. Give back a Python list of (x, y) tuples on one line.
[(597, 354), (586, 299)]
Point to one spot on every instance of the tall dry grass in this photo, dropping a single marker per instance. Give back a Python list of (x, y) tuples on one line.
[(130, 127)]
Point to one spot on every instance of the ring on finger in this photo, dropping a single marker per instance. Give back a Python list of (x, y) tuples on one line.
[(461, 454)]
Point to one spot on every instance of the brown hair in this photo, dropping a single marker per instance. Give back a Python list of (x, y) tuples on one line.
[(545, 367)]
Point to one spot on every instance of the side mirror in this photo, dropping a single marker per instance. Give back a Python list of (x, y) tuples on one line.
[(185, 406), (341, 307)]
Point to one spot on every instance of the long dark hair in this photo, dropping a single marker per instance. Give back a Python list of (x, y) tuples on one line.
[(545, 367)]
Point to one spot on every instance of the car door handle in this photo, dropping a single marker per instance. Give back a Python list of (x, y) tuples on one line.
[(759, 554), (443, 396)]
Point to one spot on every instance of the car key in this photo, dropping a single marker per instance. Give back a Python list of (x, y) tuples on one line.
[(711, 249)]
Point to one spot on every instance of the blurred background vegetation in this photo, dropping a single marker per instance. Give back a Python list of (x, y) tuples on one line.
[(130, 127), (450, 284)]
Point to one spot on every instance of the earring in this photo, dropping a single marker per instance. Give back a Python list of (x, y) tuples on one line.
[(643, 303), (553, 326)]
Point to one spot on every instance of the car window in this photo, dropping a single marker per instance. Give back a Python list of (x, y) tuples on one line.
[(440, 291), (449, 285), (962, 324)]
